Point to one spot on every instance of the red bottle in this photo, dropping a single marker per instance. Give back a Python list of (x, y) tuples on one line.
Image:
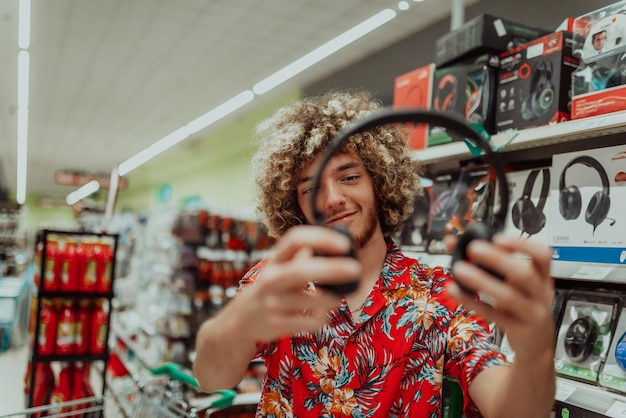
[(43, 385), (69, 267), (82, 329), (79, 269), (65, 341), (88, 277), (62, 391), (51, 276), (104, 257), (46, 341), (99, 328)]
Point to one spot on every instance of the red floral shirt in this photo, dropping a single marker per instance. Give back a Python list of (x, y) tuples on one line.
[(390, 362)]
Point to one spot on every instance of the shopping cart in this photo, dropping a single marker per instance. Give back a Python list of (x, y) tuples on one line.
[(164, 395)]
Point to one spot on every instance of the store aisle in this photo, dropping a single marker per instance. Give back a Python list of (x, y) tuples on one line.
[(12, 368)]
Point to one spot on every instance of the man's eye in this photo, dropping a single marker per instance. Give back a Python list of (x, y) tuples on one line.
[(351, 178)]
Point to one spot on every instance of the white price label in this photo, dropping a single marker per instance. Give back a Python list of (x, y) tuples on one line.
[(592, 273), (618, 409), (563, 391)]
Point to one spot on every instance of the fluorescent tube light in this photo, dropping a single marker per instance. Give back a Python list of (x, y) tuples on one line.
[(23, 74), (82, 192), (23, 28), (184, 132), (324, 51)]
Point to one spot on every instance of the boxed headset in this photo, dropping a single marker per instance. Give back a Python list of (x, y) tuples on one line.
[(467, 89), (585, 333), (413, 236), (485, 34), (599, 84), (613, 373), (413, 90), (458, 200), (534, 83), (588, 210)]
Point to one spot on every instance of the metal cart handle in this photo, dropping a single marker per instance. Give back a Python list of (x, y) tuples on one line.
[(179, 373)]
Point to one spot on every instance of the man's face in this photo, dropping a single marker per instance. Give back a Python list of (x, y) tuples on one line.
[(598, 40), (345, 196)]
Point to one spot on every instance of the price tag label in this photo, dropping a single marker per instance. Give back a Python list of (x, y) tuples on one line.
[(592, 273), (618, 409), (563, 391)]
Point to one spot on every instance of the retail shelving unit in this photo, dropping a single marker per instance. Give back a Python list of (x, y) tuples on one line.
[(74, 296), (538, 145)]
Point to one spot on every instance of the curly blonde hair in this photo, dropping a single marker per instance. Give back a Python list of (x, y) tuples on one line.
[(292, 138)]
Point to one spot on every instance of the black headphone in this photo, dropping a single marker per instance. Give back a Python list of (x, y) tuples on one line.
[(452, 122), (443, 209), (570, 201), (541, 92), (580, 338), (525, 215)]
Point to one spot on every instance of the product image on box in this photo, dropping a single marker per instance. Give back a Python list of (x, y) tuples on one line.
[(413, 235), (613, 374), (527, 213), (413, 91), (585, 334), (587, 223), (459, 199), (599, 84), (534, 83)]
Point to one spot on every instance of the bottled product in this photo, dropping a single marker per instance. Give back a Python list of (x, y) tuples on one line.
[(65, 342), (88, 278), (43, 384), (104, 257), (99, 328), (80, 263), (78, 387), (62, 391), (37, 263), (69, 267), (82, 328), (46, 341), (52, 266)]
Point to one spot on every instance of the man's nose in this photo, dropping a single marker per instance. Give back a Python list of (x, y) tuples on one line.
[(333, 195)]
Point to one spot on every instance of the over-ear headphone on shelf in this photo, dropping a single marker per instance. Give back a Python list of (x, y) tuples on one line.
[(443, 209), (608, 73), (541, 93), (580, 338), (445, 95), (570, 201), (449, 121), (525, 215)]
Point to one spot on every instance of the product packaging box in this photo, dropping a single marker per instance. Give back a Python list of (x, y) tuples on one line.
[(588, 209), (483, 34), (413, 236), (459, 199), (413, 90), (585, 334), (599, 84), (467, 89), (613, 373), (529, 200), (534, 83)]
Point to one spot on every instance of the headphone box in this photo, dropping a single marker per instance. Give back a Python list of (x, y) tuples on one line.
[(467, 89), (585, 334), (599, 84), (567, 410), (413, 90), (413, 235), (459, 199), (613, 373), (588, 210), (534, 82), (483, 34), (529, 192)]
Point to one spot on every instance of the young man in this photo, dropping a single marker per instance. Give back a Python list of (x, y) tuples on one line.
[(382, 350)]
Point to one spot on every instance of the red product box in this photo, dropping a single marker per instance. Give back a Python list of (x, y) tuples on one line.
[(534, 83), (413, 90)]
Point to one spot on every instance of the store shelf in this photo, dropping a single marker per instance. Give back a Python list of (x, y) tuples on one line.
[(592, 398), (563, 132), (86, 358)]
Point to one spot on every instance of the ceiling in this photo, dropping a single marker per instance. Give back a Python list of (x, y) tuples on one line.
[(110, 77)]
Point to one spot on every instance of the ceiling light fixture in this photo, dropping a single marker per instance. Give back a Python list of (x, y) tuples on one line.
[(23, 77), (82, 192), (403, 5), (324, 51)]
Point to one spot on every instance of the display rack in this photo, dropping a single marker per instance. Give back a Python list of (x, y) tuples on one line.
[(537, 145), (103, 274)]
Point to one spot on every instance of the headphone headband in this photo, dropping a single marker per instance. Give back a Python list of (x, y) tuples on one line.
[(449, 121), (589, 162), (545, 186)]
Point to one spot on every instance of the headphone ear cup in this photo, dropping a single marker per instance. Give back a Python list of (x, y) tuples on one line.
[(570, 202), (526, 217), (598, 208)]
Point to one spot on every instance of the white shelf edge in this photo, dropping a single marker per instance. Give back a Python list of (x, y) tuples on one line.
[(587, 396), (536, 136)]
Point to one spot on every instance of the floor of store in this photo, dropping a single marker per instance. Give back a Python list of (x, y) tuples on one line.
[(12, 369)]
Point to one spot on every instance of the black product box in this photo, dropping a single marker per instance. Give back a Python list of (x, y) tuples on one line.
[(467, 89), (481, 35), (534, 82)]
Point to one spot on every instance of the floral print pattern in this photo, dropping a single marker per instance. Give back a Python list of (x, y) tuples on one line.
[(390, 362)]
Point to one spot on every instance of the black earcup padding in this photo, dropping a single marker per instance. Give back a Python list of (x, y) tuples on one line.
[(598, 208), (570, 202), (580, 338)]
